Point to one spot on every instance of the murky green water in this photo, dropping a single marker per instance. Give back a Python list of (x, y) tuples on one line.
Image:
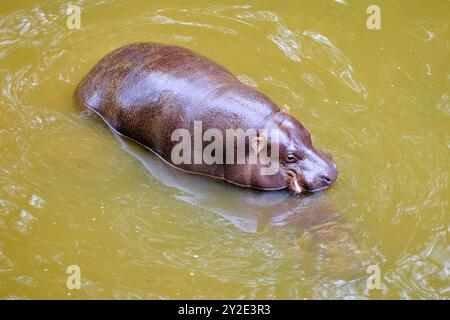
[(71, 193)]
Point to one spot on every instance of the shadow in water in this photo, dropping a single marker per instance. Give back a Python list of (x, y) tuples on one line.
[(317, 227)]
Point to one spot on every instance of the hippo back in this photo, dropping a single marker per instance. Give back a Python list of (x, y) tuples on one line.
[(146, 91)]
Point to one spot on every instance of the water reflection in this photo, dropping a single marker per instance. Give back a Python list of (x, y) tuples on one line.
[(318, 226)]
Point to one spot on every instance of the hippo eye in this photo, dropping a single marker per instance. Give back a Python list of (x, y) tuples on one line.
[(291, 158)]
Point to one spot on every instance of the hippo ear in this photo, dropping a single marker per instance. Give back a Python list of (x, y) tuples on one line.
[(285, 109)]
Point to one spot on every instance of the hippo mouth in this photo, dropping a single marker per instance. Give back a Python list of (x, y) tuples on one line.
[(297, 185), (295, 182), (317, 189)]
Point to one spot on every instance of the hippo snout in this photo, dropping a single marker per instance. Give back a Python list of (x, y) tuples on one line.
[(324, 172)]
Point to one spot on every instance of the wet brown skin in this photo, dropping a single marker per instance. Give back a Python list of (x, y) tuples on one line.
[(147, 90)]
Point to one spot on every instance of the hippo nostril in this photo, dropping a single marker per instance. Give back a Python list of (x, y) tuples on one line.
[(327, 179)]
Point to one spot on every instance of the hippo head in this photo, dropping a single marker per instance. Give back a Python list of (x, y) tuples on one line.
[(301, 166)]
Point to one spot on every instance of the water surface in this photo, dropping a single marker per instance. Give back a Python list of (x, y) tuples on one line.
[(73, 193)]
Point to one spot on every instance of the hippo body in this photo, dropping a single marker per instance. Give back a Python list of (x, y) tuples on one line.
[(146, 91)]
